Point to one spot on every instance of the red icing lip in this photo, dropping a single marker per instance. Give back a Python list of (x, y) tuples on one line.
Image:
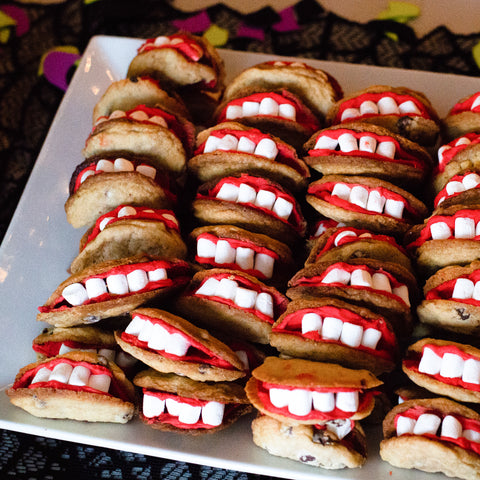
[(467, 423), (304, 116), (443, 193), (401, 156), (466, 105), (450, 153), (445, 290), (292, 325), (375, 97)]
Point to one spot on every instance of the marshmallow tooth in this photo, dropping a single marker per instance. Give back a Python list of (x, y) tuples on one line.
[(246, 145), (347, 401), (471, 371), (300, 402), (224, 253), (386, 149), (405, 425), (452, 366), (211, 144), (249, 109), (137, 280), (61, 373), (265, 263), (359, 196), (228, 142), (342, 191), (463, 288), (212, 413), (387, 106), (266, 148), (371, 337), (75, 294), (265, 199), (42, 375), (283, 208), (245, 258), (233, 112), (351, 335), (311, 322), (430, 362), (464, 227), (228, 192), (451, 427), (246, 194), (324, 142), (152, 406), (80, 376), (268, 106), (279, 397), (427, 423), (337, 275), (100, 382), (332, 328), (95, 287), (368, 107), (159, 338), (206, 248), (117, 284), (227, 289), (323, 401), (189, 414), (245, 298), (157, 275), (347, 142), (367, 144), (264, 304), (440, 231)]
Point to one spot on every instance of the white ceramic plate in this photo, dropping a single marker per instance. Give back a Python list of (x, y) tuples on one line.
[(40, 244)]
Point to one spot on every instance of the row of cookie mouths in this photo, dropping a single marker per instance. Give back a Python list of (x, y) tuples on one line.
[(375, 145)]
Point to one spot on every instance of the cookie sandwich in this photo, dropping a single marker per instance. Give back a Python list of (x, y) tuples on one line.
[(463, 117)]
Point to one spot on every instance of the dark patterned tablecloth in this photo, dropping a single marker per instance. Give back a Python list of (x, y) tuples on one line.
[(34, 38)]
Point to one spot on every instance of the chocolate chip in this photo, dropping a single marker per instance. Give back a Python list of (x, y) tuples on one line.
[(204, 368), (461, 313), (404, 125), (307, 458)]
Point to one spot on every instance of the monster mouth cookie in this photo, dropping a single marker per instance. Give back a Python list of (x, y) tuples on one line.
[(358, 148), (366, 202), (452, 300), (330, 330), (462, 188), (232, 302), (127, 230), (253, 203), (463, 117), (297, 391), (446, 368), (171, 344), (76, 385), (232, 148), (433, 435), (176, 403), (113, 288), (401, 110)]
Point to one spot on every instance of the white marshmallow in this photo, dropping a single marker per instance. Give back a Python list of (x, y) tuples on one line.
[(347, 142), (224, 253), (463, 288), (100, 382), (350, 113), (279, 397), (227, 289), (79, 376), (86, 174), (402, 292), (386, 149), (177, 344), (311, 322), (427, 423), (245, 258), (265, 263), (430, 363), (367, 144), (104, 222), (152, 406), (368, 107), (268, 106), (139, 116), (405, 425), (324, 142), (209, 287), (147, 171), (95, 287), (212, 413), (471, 371), (361, 278), (440, 231), (300, 402), (452, 366), (323, 401), (394, 208), (243, 356), (351, 335), (228, 192), (463, 141), (264, 304), (135, 326), (137, 280), (245, 298), (206, 248), (451, 427), (266, 148), (332, 328), (161, 40), (285, 110), (347, 401), (342, 191), (42, 375), (174, 407), (475, 103), (108, 353), (371, 337), (246, 194), (158, 120), (157, 275), (233, 112), (471, 180), (123, 165), (75, 294), (454, 187), (104, 166), (228, 142), (146, 331), (345, 233), (117, 284), (117, 114), (265, 199), (159, 337), (283, 208), (380, 281), (340, 427), (359, 196), (337, 275), (246, 145), (65, 349), (471, 435), (250, 109), (408, 107), (376, 202), (211, 144), (464, 227), (387, 106)]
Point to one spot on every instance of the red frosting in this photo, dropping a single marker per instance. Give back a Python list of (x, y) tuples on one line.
[(466, 105), (443, 192), (51, 349), (303, 115), (450, 153), (292, 324), (445, 290), (467, 424)]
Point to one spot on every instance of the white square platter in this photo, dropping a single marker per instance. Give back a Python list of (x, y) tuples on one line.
[(40, 244)]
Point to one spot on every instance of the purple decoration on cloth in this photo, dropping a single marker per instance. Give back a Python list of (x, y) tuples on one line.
[(288, 22), (20, 17), (245, 30), (56, 65), (196, 24)]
